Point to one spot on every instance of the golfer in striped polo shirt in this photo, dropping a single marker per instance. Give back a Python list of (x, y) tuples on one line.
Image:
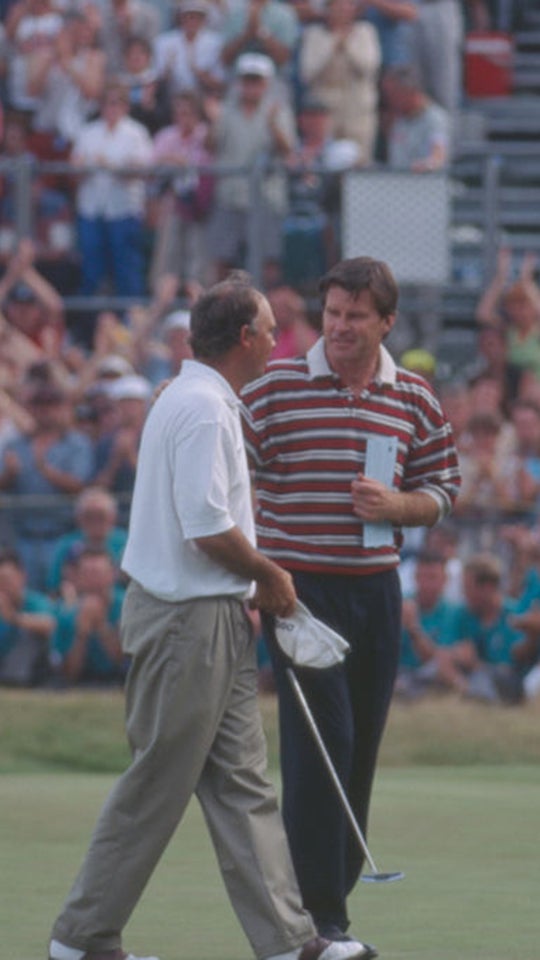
[(346, 449)]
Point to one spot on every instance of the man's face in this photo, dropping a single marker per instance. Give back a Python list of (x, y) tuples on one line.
[(252, 88), (527, 426), (479, 595), (50, 416), (353, 328), (96, 520), (430, 581), (94, 575)]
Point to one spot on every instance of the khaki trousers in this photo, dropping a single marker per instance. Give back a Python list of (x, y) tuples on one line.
[(194, 726)]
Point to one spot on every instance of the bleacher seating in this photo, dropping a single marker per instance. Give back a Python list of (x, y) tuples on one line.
[(495, 185)]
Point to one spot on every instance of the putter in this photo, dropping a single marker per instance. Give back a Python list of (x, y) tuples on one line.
[(375, 876)]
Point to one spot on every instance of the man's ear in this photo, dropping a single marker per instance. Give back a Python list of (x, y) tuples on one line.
[(246, 334), (388, 322)]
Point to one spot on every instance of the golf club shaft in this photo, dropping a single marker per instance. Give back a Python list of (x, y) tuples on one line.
[(330, 767)]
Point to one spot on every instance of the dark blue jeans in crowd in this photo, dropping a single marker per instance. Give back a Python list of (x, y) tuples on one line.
[(350, 704), (112, 247)]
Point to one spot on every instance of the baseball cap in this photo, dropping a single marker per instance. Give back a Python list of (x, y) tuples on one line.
[(312, 104), (256, 65), (131, 387), (420, 360), (113, 365), (193, 6), (178, 320), (308, 641)]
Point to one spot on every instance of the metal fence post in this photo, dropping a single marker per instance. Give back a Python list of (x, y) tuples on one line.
[(254, 257), (23, 174), (492, 178)]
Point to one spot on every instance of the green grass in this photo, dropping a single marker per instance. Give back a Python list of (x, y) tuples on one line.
[(83, 731), (456, 807), (465, 837)]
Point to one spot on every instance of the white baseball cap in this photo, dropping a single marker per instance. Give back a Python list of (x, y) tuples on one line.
[(179, 319), (131, 387), (255, 64), (308, 641)]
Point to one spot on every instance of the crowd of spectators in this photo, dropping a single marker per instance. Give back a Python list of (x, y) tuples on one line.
[(70, 425), (119, 87), (112, 88)]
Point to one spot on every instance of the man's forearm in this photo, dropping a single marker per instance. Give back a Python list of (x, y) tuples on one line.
[(233, 551), (416, 509)]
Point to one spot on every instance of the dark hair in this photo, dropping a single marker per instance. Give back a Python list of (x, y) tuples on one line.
[(363, 273), (7, 555), (190, 97), (431, 557), (484, 568), (405, 75), (219, 315), (137, 40), (484, 422), (85, 553)]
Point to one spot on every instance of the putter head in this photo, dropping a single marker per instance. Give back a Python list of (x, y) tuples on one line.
[(382, 877)]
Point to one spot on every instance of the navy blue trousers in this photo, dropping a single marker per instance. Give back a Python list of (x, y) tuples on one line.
[(350, 704), (114, 246)]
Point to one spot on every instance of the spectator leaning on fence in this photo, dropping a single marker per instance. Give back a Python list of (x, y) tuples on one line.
[(186, 194), (253, 125), (111, 200)]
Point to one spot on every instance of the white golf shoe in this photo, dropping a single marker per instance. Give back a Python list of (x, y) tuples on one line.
[(347, 949)]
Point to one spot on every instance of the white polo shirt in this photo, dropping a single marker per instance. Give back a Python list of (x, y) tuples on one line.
[(192, 481), (105, 193)]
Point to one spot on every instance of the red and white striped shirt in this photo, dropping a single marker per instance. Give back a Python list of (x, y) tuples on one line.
[(306, 436)]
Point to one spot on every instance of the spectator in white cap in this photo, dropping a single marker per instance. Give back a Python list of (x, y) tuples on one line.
[(176, 334), (117, 454), (253, 124), (189, 55), (164, 354)]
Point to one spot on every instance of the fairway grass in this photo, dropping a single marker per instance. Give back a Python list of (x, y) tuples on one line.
[(466, 837)]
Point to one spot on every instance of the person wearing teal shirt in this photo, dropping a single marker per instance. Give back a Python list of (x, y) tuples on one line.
[(431, 654), (27, 624), (86, 646), (487, 620), (95, 514)]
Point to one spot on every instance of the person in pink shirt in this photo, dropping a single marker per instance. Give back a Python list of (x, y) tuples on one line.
[(186, 199)]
